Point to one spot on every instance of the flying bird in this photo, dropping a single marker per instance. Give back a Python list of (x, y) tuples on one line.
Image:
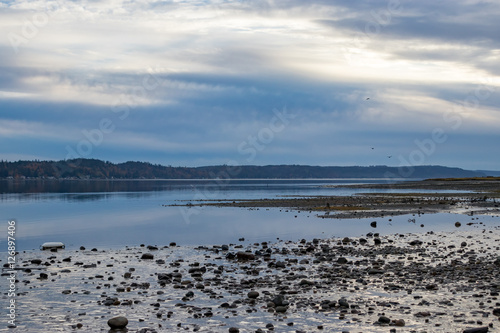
[(389, 156)]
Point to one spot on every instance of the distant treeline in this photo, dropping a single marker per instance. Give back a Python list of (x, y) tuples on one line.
[(97, 169)]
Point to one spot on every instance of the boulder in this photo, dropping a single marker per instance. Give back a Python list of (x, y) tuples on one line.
[(118, 322)]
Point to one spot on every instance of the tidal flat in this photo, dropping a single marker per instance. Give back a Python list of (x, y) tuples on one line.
[(429, 282), (471, 196)]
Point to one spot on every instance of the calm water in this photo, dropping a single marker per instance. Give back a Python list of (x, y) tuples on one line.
[(110, 214)]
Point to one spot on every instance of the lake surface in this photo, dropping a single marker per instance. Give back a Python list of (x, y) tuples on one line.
[(111, 214)]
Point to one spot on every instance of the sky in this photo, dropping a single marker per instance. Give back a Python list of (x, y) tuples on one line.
[(212, 82)]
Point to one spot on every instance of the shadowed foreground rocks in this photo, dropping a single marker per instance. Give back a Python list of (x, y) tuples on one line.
[(428, 282)]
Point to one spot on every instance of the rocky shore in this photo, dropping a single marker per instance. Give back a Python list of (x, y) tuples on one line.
[(472, 197), (430, 282)]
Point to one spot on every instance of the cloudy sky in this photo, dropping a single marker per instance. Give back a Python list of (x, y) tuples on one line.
[(190, 83)]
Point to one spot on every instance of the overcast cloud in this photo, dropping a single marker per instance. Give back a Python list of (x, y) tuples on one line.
[(204, 82)]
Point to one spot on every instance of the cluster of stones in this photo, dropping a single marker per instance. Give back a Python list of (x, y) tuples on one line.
[(290, 279)]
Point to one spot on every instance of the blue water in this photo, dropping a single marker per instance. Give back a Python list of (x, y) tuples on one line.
[(130, 214)]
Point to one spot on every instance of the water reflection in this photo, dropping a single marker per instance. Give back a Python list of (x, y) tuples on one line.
[(102, 215), (96, 186)]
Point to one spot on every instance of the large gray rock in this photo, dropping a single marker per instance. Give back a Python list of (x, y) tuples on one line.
[(118, 322)]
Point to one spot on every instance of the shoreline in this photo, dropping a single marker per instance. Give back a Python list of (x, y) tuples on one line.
[(442, 282), (473, 197)]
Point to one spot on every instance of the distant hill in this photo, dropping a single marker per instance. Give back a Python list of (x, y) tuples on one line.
[(97, 169), (490, 173)]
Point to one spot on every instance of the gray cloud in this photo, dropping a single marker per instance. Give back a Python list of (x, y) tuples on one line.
[(224, 66)]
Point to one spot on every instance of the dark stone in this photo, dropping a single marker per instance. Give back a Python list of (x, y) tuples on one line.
[(281, 309), (423, 314), (253, 294), (279, 300), (343, 303), (476, 330), (399, 323), (384, 320), (280, 264), (118, 322), (342, 260), (164, 276), (373, 224), (147, 256), (373, 271), (245, 256)]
